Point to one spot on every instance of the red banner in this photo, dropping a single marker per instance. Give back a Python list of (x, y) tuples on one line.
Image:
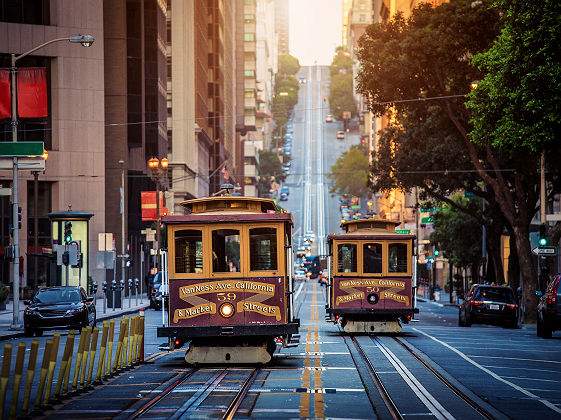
[(32, 92), (148, 205), (5, 96)]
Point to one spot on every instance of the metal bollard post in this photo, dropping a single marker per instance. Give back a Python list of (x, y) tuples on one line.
[(113, 288), (118, 352), (66, 379), (52, 365), (136, 282), (94, 291), (130, 292), (104, 287), (86, 351), (93, 350), (43, 375), (78, 360), (110, 347), (30, 374), (18, 373), (122, 288), (6, 364), (102, 355), (64, 363)]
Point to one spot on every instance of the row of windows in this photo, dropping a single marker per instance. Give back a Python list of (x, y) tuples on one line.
[(226, 250), (372, 258)]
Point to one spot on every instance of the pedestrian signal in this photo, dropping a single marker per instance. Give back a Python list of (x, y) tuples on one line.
[(67, 232)]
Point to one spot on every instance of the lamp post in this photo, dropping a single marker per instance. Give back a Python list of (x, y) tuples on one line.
[(86, 41), (157, 173), (122, 209)]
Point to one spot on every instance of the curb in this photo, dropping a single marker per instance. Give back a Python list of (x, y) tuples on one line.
[(8, 334)]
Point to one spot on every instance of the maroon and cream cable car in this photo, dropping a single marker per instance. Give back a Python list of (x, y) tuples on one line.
[(370, 285), (230, 280)]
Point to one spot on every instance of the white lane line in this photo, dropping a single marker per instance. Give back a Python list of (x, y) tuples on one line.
[(494, 375), (475, 356), (298, 291), (420, 391)]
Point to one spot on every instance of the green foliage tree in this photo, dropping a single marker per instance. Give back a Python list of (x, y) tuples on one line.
[(458, 236), (349, 174), (288, 64), (428, 56), (269, 169), (341, 91)]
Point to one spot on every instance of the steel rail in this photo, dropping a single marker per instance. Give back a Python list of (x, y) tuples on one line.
[(446, 382), (390, 404), (174, 383), (234, 405)]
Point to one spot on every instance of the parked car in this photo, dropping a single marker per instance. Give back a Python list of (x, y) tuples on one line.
[(300, 252), (300, 275), (58, 307), (284, 189), (340, 135), (155, 292), (309, 236), (329, 118), (323, 277), (486, 304), (283, 197), (549, 309)]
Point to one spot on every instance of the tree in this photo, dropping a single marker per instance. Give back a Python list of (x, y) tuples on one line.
[(428, 56), (269, 169), (341, 89), (288, 64), (349, 174)]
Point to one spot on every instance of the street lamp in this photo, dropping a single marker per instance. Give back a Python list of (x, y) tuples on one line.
[(86, 41), (45, 155), (122, 209), (157, 173)]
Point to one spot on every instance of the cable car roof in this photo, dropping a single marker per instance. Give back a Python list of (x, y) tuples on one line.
[(366, 228)]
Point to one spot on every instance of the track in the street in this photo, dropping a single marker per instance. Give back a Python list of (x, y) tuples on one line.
[(205, 392)]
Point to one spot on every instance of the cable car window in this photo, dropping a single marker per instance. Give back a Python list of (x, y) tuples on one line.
[(397, 258), (346, 258), (262, 249), (189, 251), (225, 250), (372, 258)]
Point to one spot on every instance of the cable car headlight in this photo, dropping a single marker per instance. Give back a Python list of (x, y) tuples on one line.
[(226, 310)]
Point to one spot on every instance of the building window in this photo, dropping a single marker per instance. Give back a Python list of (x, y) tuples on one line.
[(249, 93), (249, 37), (249, 112), (249, 2), (249, 74), (249, 56), (37, 264), (189, 251), (33, 12), (249, 18)]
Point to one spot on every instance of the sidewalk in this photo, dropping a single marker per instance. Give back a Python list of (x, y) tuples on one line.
[(6, 316), (443, 299)]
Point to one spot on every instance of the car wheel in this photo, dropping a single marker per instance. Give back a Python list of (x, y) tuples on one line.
[(460, 321), (467, 320), (39, 333), (546, 329)]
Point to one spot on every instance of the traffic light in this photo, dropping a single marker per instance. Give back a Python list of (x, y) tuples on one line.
[(543, 233), (67, 232), (436, 252)]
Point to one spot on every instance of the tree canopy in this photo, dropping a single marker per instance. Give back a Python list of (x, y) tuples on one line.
[(349, 174), (269, 169), (288, 64), (341, 97)]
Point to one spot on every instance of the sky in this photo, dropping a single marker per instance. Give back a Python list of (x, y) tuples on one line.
[(315, 30)]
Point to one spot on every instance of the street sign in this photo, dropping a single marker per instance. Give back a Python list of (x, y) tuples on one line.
[(24, 164), (546, 250), (428, 219), (403, 231), (22, 148), (5, 191)]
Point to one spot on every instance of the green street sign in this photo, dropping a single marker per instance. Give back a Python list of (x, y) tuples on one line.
[(356, 207), (428, 219), (403, 231), (23, 149), (468, 194)]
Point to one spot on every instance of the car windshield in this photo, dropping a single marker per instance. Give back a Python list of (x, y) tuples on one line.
[(57, 296), (494, 294)]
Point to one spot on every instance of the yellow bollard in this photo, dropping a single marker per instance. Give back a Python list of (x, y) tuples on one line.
[(66, 379), (118, 352), (64, 363), (131, 340), (43, 375), (18, 373), (135, 345), (125, 344), (101, 361), (141, 338), (6, 364), (93, 350), (30, 374), (52, 365), (78, 360), (110, 346), (86, 351)]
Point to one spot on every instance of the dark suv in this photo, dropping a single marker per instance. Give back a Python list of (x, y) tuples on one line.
[(549, 309), (486, 304)]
